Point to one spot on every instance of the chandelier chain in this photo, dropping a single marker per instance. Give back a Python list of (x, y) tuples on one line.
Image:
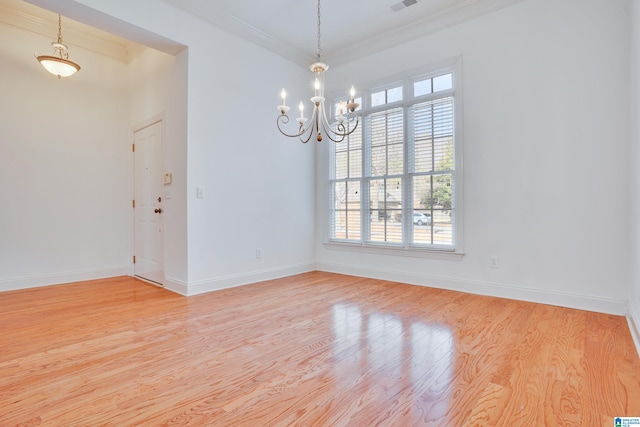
[(319, 51), (59, 29)]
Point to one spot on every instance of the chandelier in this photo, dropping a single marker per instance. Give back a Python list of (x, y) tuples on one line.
[(58, 63), (346, 120)]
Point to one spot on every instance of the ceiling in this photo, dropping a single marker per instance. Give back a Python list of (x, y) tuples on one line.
[(349, 29), (20, 14)]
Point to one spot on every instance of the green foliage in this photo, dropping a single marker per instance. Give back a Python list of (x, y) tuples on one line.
[(441, 196)]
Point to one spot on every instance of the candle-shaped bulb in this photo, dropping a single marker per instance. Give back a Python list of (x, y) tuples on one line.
[(352, 92), (341, 108), (301, 110), (283, 95)]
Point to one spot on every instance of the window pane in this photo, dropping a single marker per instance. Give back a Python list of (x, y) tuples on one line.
[(379, 161), (347, 156), (340, 195), (432, 201), (342, 164), (422, 88), (385, 207), (395, 159), (346, 213), (394, 94), (433, 135), (378, 98), (386, 133), (339, 225), (355, 163), (355, 139), (442, 82)]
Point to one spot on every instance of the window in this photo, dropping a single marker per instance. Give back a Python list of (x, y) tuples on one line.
[(395, 182)]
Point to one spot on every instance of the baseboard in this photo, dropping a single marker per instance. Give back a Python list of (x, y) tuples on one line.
[(58, 278), (582, 302), (203, 286), (175, 285), (633, 318)]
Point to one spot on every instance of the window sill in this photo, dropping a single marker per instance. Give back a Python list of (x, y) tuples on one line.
[(395, 251)]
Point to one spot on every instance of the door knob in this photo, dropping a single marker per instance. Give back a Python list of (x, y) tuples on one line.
[(157, 210)]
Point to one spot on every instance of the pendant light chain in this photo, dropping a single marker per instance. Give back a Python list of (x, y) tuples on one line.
[(319, 51), (59, 29)]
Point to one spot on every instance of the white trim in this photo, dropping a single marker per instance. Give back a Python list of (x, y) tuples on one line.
[(457, 14), (218, 283), (412, 252), (26, 282), (633, 318), (175, 285), (210, 13), (461, 12), (562, 299)]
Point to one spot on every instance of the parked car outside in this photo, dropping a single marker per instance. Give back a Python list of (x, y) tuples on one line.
[(421, 218)]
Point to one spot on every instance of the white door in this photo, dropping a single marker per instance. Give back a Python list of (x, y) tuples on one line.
[(148, 224)]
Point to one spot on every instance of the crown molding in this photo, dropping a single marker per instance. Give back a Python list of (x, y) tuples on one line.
[(209, 13), (45, 23), (455, 15)]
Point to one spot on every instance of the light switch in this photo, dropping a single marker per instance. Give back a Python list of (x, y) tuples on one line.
[(199, 192)]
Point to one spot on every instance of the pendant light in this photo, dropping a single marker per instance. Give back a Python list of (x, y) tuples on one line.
[(58, 63)]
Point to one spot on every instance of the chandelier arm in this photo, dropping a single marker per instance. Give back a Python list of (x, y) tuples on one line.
[(351, 116), (304, 141), (330, 133), (308, 131), (285, 119), (342, 131)]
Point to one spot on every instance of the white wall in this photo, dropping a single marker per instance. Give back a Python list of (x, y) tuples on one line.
[(63, 209), (258, 186), (545, 155), (634, 297)]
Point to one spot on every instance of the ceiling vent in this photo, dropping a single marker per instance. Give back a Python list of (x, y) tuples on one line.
[(403, 4)]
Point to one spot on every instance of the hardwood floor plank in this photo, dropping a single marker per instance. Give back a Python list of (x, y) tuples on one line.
[(315, 349)]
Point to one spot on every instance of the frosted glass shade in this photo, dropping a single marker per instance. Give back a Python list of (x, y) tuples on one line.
[(58, 66)]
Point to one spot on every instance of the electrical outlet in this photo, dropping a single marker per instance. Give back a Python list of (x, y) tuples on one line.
[(258, 253), (493, 261)]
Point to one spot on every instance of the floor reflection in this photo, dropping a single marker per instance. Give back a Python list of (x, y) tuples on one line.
[(410, 358)]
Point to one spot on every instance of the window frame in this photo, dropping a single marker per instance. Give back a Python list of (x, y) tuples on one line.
[(407, 247)]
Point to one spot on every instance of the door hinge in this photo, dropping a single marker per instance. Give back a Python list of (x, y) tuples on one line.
[(133, 147), (133, 203), (134, 259)]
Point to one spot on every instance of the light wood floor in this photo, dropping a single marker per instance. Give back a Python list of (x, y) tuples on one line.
[(316, 349)]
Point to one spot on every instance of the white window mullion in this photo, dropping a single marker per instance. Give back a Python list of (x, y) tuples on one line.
[(407, 188), (365, 212)]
